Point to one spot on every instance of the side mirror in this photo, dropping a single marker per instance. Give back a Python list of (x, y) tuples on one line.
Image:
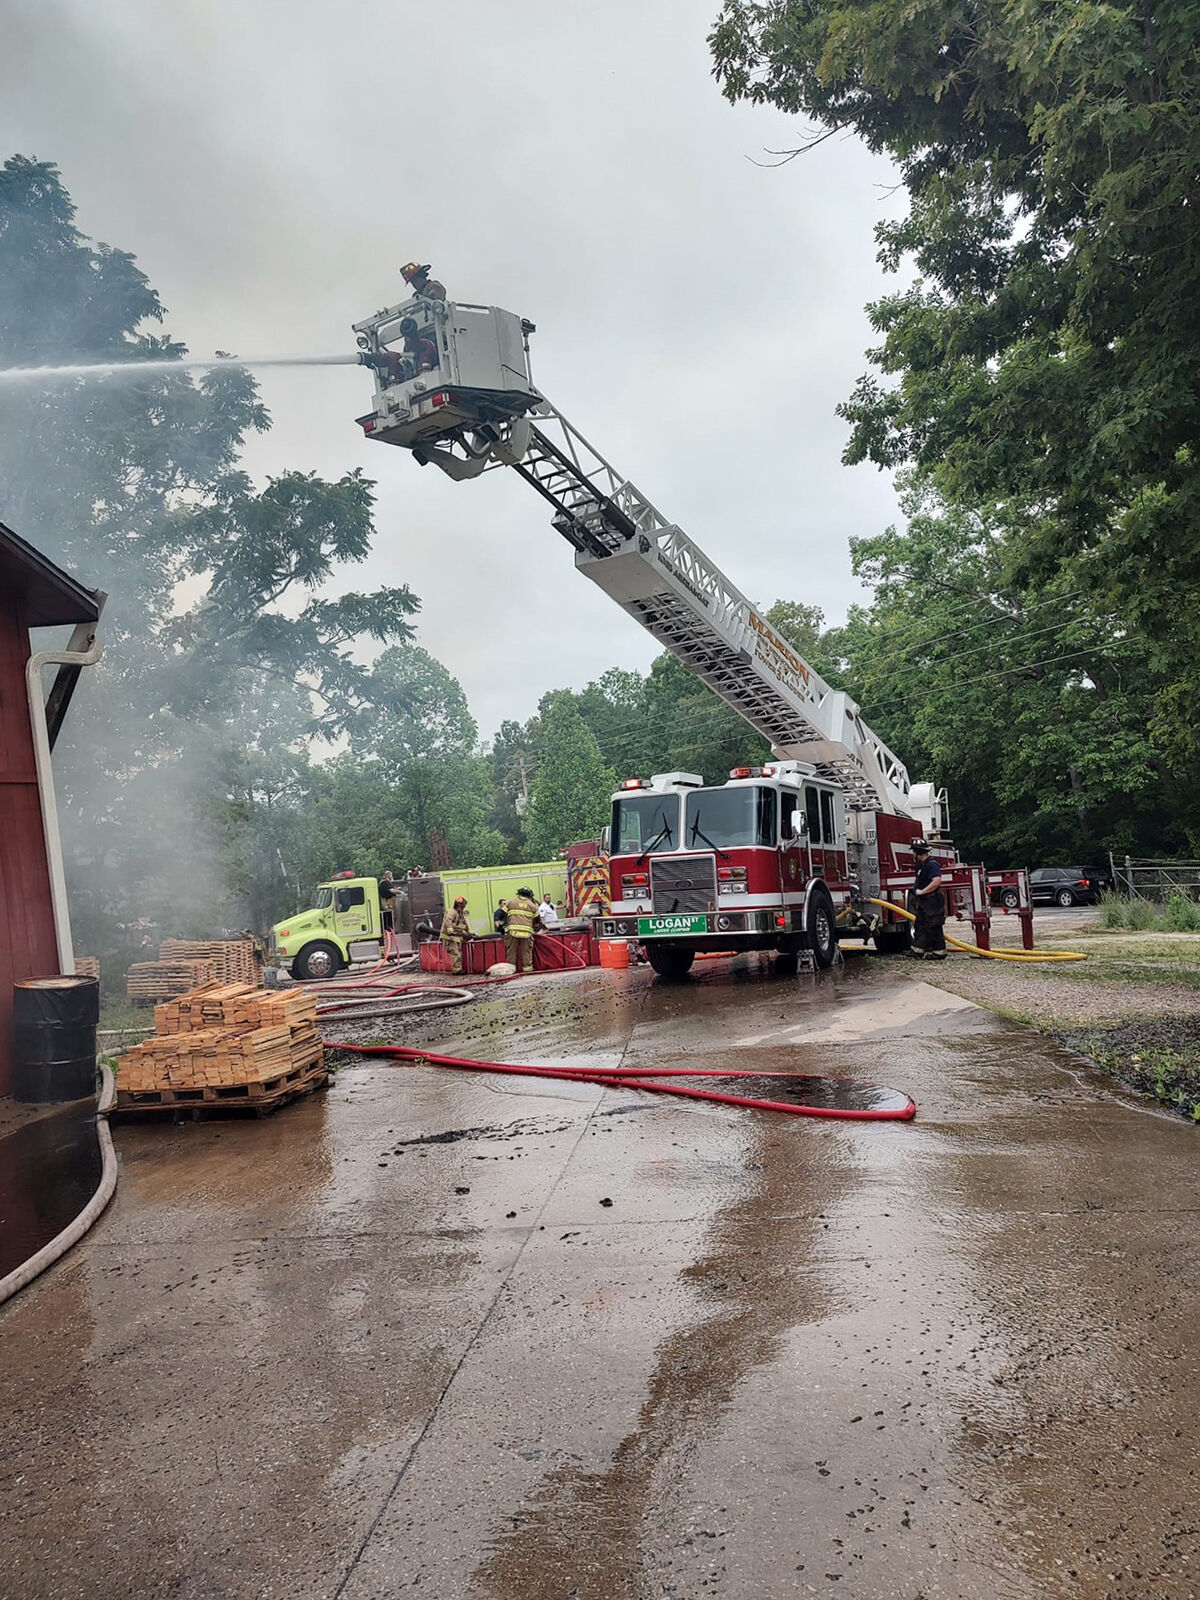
[(799, 825)]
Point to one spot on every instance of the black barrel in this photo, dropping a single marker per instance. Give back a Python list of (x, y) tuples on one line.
[(54, 1038)]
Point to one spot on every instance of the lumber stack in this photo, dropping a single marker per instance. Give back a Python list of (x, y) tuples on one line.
[(232, 960), (148, 981), (87, 967), (238, 1005), (225, 1043)]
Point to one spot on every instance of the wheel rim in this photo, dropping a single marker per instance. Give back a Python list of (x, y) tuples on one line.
[(319, 964), (1011, 900), (1065, 899), (822, 929)]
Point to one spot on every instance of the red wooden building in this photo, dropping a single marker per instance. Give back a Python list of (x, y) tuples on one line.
[(34, 593)]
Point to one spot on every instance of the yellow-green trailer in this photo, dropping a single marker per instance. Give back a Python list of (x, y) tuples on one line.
[(485, 887)]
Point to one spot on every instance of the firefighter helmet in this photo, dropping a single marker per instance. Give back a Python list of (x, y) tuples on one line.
[(413, 269), (919, 847)]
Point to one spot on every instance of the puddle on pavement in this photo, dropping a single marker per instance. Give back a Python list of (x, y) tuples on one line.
[(49, 1170), (823, 1094)]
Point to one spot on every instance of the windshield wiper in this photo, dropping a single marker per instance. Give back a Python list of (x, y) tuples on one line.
[(663, 833), (697, 832)]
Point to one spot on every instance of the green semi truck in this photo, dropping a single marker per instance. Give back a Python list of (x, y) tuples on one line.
[(345, 922)]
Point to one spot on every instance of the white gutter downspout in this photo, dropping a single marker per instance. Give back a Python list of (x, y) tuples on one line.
[(45, 777)]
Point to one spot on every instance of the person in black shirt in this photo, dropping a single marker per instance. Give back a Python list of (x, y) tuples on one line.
[(500, 917), (929, 938), (387, 901)]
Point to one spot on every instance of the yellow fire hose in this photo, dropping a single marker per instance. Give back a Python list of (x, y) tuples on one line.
[(995, 955)]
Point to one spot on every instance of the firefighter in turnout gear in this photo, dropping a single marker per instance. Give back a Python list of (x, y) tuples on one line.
[(523, 922), (418, 279), (456, 928), (929, 938)]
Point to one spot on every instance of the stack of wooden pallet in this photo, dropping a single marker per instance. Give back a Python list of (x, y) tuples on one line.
[(147, 981), (225, 1044), (87, 967), (232, 960)]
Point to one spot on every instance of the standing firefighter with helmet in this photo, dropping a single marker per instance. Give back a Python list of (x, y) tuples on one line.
[(929, 938), (523, 922), (417, 278), (456, 928)]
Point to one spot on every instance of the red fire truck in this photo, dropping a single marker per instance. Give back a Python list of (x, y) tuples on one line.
[(790, 856), (766, 861)]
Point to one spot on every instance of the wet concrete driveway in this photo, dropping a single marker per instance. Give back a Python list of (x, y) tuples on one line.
[(337, 1354)]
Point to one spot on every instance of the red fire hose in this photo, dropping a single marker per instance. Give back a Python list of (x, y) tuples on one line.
[(811, 1096)]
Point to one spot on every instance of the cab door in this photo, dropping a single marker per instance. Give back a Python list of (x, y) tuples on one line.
[(352, 915), (795, 853)]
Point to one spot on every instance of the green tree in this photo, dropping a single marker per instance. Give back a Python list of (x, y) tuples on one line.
[(572, 788), (1043, 371), (800, 625), (421, 739), (131, 482), (513, 761), (1029, 705)]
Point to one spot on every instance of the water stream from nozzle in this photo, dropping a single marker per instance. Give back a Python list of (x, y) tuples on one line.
[(109, 369)]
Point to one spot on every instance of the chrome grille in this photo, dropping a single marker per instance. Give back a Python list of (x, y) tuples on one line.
[(683, 883)]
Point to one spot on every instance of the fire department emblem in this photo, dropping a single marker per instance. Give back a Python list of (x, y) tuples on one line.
[(792, 867)]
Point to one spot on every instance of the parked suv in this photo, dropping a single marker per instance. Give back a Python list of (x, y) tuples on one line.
[(1063, 886)]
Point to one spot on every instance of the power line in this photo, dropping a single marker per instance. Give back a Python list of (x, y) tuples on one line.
[(988, 622), (993, 644), (1029, 666)]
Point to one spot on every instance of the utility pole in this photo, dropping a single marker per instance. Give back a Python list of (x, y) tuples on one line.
[(522, 800)]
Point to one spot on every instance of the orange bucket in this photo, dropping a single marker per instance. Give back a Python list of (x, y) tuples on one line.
[(614, 953)]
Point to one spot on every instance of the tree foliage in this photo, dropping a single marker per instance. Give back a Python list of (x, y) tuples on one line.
[(131, 482), (1041, 375), (572, 788), (1014, 698)]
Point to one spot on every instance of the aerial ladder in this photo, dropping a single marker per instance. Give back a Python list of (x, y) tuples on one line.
[(477, 409)]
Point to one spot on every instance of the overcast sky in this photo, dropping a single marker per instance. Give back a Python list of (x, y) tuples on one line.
[(273, 162)]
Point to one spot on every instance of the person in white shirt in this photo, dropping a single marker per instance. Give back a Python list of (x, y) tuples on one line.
[(547, 913)]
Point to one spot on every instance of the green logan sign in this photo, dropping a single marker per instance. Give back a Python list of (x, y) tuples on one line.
[(648, 927)]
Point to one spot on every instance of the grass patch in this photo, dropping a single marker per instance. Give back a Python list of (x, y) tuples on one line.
[(1158, 1057), (1170, 960), (1179, 915), (128, 1022)]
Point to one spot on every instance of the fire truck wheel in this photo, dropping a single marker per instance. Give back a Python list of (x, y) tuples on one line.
[(317, 960), (670, 961), (893, 941), (820, 925)]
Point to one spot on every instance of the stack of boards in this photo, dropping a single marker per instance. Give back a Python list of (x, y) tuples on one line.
[(232, 960), (225, 1044), (148, 981), (185, 963)]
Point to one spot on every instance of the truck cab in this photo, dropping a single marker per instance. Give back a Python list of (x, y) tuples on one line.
[(758, 863), (344, 924)]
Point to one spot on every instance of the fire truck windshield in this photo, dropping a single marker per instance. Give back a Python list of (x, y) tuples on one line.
[(641, 821), (324, 899), (729, 819)]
